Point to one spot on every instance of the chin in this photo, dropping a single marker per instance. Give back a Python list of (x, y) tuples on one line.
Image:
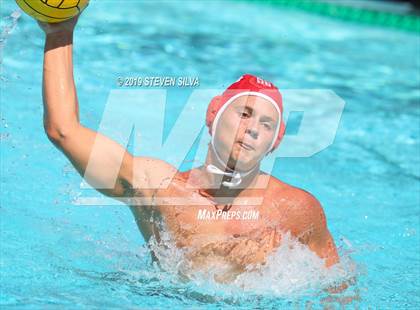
[(242, 161), (245, 165)]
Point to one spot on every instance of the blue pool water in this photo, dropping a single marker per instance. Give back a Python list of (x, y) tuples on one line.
[(55, 253)]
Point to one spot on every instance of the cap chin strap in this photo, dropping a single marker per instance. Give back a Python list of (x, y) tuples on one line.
[(235, 175)]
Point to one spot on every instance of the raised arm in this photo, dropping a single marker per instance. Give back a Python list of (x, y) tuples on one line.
[(110, 163)]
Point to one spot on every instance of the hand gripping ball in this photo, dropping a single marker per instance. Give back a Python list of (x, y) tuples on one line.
[(52, 11)]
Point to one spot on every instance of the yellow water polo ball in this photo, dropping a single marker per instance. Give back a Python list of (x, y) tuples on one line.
[(52, 11)]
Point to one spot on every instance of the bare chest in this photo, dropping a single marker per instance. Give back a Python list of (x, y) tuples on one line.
[(194, 220)]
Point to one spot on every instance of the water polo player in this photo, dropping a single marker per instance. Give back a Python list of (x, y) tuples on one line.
[(245, 124)]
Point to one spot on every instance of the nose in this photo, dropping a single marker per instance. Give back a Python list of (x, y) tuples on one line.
[(252, 128)]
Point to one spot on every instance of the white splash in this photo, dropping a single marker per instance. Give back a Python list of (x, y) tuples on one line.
[(291, 270)]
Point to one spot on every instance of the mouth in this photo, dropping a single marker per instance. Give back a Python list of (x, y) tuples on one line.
[(246, 146)]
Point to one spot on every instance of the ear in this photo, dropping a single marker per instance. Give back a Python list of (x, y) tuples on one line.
[(212, 110), (279, 136)]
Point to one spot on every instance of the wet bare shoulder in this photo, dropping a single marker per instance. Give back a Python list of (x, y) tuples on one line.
[(297, 208), (289, 193)]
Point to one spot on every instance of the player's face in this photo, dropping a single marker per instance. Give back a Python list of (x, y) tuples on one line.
[(245, 131)]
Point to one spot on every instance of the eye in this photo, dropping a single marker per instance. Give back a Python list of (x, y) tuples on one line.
[(244, 114), (268, 126)]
